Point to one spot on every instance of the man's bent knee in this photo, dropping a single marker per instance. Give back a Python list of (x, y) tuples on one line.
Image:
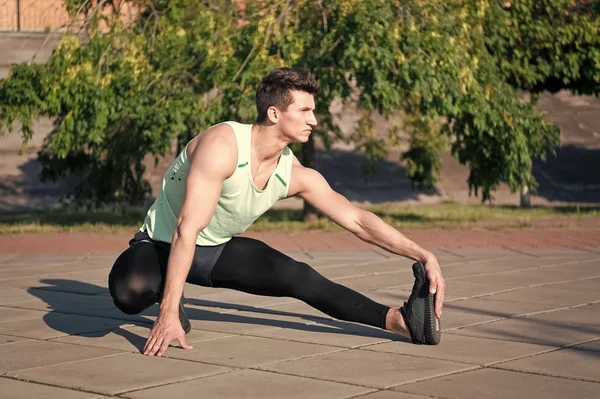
[(131, 295)]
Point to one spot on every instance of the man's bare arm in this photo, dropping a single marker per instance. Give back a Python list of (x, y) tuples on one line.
[(213, 159), (312, 186)]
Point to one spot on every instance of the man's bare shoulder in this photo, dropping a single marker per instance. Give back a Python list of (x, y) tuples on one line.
[(216, 145), (303, 177), (215, 137)]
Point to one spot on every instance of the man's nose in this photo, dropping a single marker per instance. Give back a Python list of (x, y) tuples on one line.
[(312, 121)]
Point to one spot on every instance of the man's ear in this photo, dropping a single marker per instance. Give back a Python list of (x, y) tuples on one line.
[(273, 114)]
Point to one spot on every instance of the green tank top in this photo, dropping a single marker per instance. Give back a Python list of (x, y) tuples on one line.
[(240, 202)]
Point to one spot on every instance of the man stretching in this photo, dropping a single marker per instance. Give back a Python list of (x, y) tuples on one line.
[(224, 179)]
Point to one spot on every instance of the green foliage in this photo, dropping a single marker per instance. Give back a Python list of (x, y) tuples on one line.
[(122, 92), (548, 45)]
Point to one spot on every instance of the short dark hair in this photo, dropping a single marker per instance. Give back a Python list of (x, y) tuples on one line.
[(275, 89)]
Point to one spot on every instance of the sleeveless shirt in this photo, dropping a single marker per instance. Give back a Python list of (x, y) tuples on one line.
[(240, 202)]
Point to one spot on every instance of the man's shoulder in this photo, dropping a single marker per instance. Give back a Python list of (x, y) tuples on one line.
[(217, 136), (217, 145)]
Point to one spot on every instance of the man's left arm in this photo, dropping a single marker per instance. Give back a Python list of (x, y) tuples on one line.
[(312, 187)]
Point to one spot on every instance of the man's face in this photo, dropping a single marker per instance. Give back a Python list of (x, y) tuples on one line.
[(297, 121)]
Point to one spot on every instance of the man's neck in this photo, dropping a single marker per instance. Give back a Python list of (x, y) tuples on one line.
[(267, 143)]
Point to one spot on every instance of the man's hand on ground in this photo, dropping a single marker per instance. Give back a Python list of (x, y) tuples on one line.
[(166, 328), (437, 284)]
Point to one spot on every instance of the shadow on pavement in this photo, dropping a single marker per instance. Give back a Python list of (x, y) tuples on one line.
[(535, 334), (69, 300)]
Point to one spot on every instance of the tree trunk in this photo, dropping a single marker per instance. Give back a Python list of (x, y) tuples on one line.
[(308, 160), (525, 197)]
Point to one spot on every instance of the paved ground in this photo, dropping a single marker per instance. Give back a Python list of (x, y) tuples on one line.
[(518, 322)]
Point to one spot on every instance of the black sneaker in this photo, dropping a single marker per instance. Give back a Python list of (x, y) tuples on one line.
[(419, 311), (183, 319)]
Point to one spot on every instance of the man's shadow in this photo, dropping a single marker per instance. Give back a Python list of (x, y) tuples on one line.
[(70, 301), (77, 308)]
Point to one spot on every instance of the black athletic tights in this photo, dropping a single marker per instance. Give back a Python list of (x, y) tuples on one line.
[(137, 279)]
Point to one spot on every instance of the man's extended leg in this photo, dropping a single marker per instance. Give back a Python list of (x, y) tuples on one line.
[(252, 266)]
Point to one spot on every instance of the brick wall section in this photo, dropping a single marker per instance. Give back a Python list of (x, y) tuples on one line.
[(39, 15), (8, 15), (36, 15)]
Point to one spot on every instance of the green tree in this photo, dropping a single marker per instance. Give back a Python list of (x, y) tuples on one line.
[(451, 68)]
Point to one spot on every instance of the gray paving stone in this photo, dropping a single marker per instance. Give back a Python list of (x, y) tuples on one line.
[(346, 255), (132, 339), (377, 281), (195, 304), (483, 267), (582, 365), (72, 283), (367, 368), (550, 295), (527, 278), (391, 297), (34, 353), (44, 271), (14, 389), (243, 300), (11, 314), (77, 285), (501, 384), (589, 346), (253, 384), (391, 395), (557, 252), (365, 270), (495, 308), (584, 284), (57, 324), (482, 253), (244, 352), (198, 291), (7, 339), (465, 289), (298, 309), (532, 330), (90, 305), (324, 264), (588, 315), (64, 301), (333, 333), (11, 296), (464, 349), (452, 319), (269, 315), (118, 374), (6, 257), (43, 259), (232, 323)]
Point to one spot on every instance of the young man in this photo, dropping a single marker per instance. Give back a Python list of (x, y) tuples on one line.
[(217, 187)]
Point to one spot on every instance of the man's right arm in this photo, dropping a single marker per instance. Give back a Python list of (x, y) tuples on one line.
[(212, 161)]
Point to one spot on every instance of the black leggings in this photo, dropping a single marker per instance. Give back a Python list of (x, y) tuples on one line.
[(244, 264)]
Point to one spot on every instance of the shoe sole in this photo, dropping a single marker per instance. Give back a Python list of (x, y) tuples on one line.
[(432, 328)]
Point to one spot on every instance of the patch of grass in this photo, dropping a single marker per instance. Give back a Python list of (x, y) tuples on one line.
[(66, 221), (448, 215)]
